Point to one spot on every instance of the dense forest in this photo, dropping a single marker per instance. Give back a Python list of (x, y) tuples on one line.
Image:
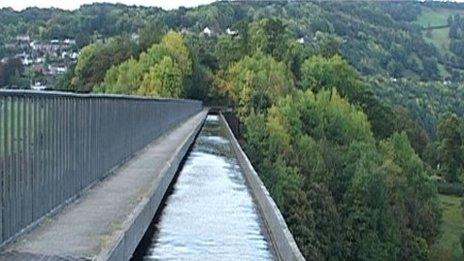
[(352, 113)]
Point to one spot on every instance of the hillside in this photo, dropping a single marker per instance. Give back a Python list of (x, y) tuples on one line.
[(350, 112)]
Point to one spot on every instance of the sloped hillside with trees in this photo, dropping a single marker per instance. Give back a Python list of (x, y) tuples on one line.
[(351, 113)]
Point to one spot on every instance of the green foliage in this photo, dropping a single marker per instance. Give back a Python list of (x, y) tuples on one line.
[(228, 50), (10, 71), (451, 147), (365, 202), (176, 48), (448, 245), (319, 73), (160, 71), (461, 239), (63, 83), (122, 79), (256, 82), (417, 135), (96, 58), (426, 102), (345, 193), (150, 34), (163, 80), (446, 188), (269, 36)]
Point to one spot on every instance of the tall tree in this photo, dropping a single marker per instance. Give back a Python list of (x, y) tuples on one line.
[(451, 147), (97, 58), (163, 80)]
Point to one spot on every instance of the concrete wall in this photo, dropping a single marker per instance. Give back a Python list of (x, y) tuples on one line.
[(281, 238)]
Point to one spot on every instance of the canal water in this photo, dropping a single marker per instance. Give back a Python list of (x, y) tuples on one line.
[(210, 214)]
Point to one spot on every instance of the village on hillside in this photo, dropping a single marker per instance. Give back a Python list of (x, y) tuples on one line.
[(41, 61)]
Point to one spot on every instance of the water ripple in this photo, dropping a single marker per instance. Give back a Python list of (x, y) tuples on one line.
[(210, 215)]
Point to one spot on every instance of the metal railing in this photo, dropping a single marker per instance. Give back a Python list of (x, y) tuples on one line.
[(53, 145)]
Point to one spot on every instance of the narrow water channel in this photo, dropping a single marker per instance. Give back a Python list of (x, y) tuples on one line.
[(210, 214)]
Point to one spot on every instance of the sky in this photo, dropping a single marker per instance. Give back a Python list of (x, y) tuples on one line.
[(74, 4)]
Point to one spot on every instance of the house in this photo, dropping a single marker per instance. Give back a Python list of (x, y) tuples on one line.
[(207, 31), (184, 31), (74, 56), (37, 86), (23, 38), (39, 60), (69, 41), (26, 61), (56, 69), (135, 37), (231, 32), (301, 40)]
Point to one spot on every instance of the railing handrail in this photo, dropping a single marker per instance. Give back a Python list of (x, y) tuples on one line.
[(33, 93)]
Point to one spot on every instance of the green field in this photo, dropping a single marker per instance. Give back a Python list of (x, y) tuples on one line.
[(448, 246), (436, 17), (440, 38)]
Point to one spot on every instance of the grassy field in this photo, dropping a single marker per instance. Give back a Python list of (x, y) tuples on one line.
[(436, 16), (448, 246), (439, 38)]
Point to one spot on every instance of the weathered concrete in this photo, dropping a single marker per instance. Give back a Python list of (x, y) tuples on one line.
[(283, 241), (108, 221)]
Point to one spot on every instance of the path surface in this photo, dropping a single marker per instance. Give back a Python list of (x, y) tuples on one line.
[(99, 221)]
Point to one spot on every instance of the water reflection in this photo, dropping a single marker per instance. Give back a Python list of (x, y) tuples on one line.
[(210, 215)]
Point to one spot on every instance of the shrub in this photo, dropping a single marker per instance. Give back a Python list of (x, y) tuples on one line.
[(450, 188)]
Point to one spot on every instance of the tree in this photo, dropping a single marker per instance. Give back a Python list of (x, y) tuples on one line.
[(122, 79), (95, 59), (256, 82), (318, 73), (417, 135), (269, 36), (228, 50), (451, 147), (10, 71), (150, 34), (175, 46), (163, 80), (413, 197), (160, 71)]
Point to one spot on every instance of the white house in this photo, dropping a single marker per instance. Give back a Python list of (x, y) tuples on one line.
[(207, 31), (23, 38), (69, 41), (231, 32), (37, 86), (74, 55)]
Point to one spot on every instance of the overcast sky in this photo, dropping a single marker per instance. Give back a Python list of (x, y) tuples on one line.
[(74, 4)]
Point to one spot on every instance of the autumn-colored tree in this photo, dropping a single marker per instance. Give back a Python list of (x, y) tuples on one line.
[(256, 82), (163, 80)]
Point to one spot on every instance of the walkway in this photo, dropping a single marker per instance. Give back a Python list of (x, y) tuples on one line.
[(108, 220)]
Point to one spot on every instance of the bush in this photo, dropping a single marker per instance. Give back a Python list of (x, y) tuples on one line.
[(462, 209), (446, 188), (462, 241)]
